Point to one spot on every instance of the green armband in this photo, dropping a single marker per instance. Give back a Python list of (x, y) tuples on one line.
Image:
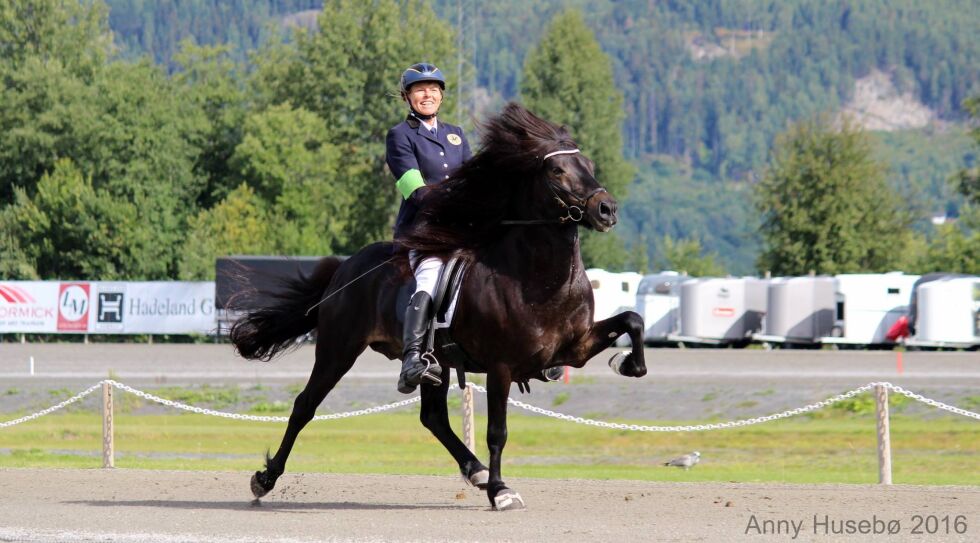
[(409, 182)]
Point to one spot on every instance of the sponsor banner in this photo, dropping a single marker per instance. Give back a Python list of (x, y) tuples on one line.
[(29, 306), (101, 307)]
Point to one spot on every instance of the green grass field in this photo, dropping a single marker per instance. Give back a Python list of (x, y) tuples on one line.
[(838, 448)]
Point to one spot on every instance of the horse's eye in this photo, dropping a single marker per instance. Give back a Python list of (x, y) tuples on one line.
[(557, 171)]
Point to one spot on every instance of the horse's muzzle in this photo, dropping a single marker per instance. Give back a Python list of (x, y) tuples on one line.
[(601, 212)]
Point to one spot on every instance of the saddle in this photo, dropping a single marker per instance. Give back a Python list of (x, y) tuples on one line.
[(438, 338), (439, 342)]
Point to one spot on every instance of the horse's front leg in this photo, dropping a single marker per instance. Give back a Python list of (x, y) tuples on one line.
[(434, 415), (498, 390), (601, 336)]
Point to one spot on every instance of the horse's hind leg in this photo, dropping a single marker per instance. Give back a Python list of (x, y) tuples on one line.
[(434, 415), (333, 361)]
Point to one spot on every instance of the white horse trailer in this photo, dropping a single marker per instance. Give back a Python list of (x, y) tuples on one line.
[(614, 293), (722, 310), (800, 310), (658, 301), (948, 313), (868, 304)]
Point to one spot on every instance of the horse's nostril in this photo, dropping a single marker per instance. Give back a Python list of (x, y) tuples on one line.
[(604, 210)]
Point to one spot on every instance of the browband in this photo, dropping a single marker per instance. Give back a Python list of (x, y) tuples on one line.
[(553, 153)]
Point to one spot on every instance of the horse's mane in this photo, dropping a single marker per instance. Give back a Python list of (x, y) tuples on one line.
[(464, 211)]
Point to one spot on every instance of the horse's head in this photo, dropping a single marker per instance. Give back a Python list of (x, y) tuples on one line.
[(570, 176)]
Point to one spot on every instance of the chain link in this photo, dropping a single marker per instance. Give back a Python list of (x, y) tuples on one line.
[(516, 403), (53, 408), (259, 418), (735, 423)]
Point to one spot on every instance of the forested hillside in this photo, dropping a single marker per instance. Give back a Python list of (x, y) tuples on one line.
[(708, 84)]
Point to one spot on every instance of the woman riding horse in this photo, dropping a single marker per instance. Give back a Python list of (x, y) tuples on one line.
[(421, 152), (525, 304)]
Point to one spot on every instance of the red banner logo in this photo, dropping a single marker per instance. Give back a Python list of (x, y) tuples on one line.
[(73, 307)]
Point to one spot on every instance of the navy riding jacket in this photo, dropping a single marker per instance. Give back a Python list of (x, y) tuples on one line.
[(416, 157)]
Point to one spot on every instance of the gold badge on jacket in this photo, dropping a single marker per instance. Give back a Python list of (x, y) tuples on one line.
[(454, 139)]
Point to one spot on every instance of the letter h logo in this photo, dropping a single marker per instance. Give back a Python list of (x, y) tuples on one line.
[(110, 306)]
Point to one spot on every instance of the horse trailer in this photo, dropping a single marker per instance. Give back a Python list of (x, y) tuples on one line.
[(613, 292), (658, 301), (868, 304), (800, 310), (947, 313), (722, 310)]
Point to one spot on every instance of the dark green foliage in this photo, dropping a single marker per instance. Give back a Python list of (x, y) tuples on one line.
[(140, 171), (967, 180), (826, 207), (347, 74), (569, 80), (157, 27)]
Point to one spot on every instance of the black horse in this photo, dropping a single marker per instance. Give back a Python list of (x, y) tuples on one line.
[(525, 304)]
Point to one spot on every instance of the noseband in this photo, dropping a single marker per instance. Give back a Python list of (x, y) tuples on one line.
[(574, 212)]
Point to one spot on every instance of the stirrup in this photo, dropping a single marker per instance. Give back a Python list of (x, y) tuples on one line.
[(431, 373)]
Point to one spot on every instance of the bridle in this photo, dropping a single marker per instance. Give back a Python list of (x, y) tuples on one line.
[(574, 212)]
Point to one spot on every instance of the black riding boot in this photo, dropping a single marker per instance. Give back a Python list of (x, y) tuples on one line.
[(416, 371)]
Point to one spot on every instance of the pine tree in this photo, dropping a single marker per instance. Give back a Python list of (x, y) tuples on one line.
[(568, 79), (826, 206)]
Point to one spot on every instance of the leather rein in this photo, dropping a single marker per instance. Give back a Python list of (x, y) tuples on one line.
[(573, 213)]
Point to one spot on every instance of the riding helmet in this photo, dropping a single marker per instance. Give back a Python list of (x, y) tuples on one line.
[(423, 71)]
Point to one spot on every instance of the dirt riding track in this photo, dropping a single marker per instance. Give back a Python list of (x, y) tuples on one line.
[(215, 507)]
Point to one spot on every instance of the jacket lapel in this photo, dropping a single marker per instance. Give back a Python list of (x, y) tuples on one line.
[(423, 131)]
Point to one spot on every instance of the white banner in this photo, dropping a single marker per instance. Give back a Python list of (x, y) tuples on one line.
[(102, 307)]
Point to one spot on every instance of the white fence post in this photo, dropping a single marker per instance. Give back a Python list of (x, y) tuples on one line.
[(108, 448), (884, 440), (469, 434)]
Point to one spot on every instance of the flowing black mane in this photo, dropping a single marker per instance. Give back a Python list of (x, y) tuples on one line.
[(464, 212)]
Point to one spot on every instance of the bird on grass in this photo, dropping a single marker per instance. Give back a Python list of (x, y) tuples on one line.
[(687, 461)]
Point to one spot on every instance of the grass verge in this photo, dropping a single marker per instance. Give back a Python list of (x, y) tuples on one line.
[(839, 449)]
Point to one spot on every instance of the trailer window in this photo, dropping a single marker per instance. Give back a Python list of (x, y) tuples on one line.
[(595, 284), (893, 291), (626, 286)]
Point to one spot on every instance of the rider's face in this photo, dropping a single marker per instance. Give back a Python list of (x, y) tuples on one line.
[(425, 97)]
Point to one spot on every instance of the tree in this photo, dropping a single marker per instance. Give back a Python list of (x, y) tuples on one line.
[(238, 225), (69, 229), (687, 256), (73, 34), (286, 157), (568, 79), (347, 73), (212, 81), (968, 180), (126, 128), (826, 206)]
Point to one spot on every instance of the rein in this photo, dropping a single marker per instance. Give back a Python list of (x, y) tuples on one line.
[(573, 213)]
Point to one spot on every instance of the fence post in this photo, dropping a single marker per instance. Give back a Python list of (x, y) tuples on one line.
[(469, 435), (108, 448), (884, 440)]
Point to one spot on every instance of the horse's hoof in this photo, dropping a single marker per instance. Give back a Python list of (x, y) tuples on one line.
[(508, 500), (479, 479), (258, 489), (618, 360)]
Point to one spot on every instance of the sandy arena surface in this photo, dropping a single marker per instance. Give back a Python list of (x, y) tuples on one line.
[(215, 507)]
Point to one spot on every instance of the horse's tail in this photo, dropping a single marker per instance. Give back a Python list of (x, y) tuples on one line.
[(266, 332)]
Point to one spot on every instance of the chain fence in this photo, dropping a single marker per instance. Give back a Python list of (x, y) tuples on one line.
[(516, 403)]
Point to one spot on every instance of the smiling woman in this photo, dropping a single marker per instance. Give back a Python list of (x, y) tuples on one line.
[(421, 153)]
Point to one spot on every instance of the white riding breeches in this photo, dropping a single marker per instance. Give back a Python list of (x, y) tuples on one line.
[(427, 273)]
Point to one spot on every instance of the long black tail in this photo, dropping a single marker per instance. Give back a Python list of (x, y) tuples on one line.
[(263, 333)]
